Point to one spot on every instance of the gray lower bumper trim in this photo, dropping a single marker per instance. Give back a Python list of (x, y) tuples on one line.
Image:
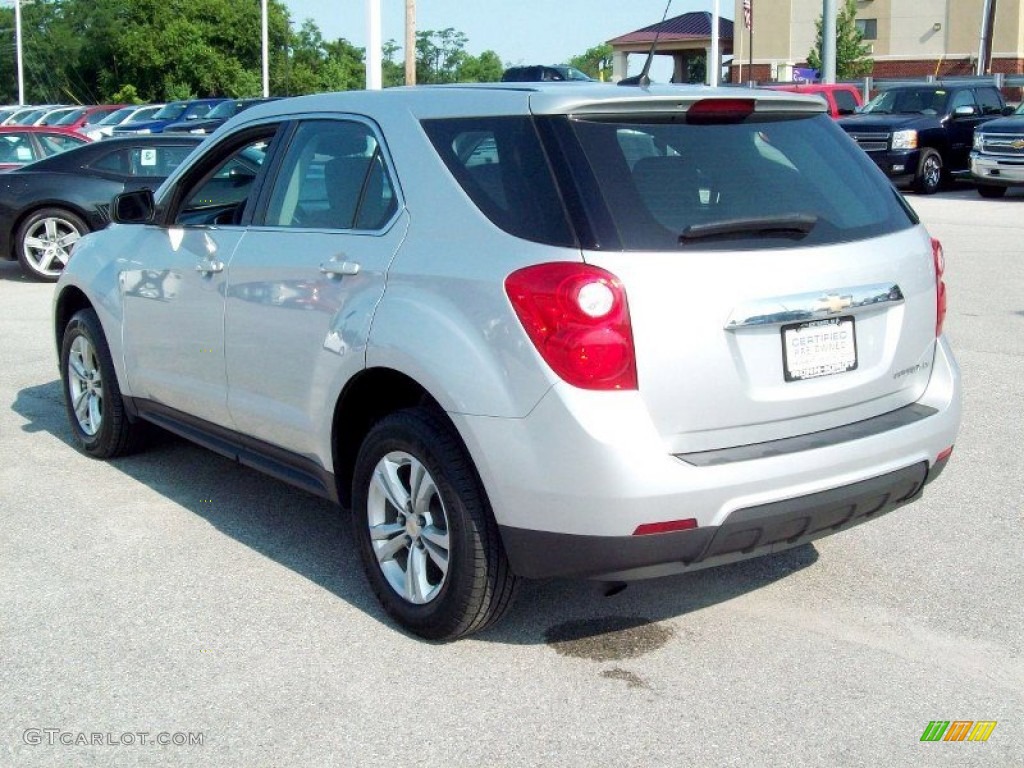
[(856, 431)]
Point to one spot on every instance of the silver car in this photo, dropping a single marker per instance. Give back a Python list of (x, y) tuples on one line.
[(528, 331)]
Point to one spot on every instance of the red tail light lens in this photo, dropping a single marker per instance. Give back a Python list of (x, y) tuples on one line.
[(940, 286), (577, 317)]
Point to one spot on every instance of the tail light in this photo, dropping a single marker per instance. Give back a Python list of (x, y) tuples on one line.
[(577, 317), (940, 286)]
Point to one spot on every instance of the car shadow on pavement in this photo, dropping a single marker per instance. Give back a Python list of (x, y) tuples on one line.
[(311, 537), (11, 271)]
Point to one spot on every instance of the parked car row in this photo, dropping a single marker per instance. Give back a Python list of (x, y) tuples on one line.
[(922, 135), (47, 206)]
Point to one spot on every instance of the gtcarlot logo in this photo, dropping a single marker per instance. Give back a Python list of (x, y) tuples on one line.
[(57, 736), (958, 730)]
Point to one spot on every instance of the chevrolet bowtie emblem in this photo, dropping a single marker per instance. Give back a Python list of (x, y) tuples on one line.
[(1017, 144), (833, 304)]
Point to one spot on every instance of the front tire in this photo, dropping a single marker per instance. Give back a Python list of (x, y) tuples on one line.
[(425, 532), (929, 173), (991, 192), (92, 397), (44, 242)]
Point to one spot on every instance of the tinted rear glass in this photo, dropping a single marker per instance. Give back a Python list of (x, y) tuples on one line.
[(500, 164), (666, 184)]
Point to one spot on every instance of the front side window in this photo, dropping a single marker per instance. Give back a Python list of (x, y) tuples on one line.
[(220, 195), (963, 98), (333, 176)]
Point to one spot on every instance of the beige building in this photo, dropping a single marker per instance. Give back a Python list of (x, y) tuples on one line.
[(908, 38)]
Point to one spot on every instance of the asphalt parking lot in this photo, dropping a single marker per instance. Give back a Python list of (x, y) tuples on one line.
[(176, 597)]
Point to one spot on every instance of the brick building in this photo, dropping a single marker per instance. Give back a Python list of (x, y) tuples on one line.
[(908, 38)]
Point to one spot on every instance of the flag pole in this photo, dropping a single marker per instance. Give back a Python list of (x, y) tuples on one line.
[(750, 42)]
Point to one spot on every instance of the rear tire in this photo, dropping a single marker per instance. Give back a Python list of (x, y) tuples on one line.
[(427, 538), (928, 178), (989, 191), (92, 397)]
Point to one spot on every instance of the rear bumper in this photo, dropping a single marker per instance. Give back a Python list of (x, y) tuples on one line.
[(571, 483), (746, 533)]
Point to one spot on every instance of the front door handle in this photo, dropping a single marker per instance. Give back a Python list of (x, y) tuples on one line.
[(339, 268), (210, 267)]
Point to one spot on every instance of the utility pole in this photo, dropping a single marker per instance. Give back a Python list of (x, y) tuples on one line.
[(988, 24), (828, 42), (410, 42)]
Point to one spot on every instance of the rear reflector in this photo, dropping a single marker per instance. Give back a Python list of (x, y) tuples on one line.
[(672, 525), (943, 455)]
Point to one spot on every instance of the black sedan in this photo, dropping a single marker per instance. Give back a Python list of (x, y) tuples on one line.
[(46, 206)]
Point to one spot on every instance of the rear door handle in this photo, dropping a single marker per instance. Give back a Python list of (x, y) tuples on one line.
[(339, 268)]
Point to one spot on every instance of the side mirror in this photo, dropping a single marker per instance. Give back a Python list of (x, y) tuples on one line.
[(1008, 111), (965, 111), (135, 207)]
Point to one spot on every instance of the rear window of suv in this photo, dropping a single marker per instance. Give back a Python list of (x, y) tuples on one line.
[(669, 184), (660, 183)]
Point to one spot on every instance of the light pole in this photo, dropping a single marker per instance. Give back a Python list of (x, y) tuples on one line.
[(266, 52), (373, 42), (17, 45)]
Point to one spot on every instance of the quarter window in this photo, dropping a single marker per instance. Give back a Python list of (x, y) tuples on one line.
[(333, 177)]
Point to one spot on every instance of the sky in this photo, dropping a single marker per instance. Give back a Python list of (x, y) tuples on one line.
[(520, 32)]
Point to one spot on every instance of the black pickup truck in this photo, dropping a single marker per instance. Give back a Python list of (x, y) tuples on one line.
[(919, 134)]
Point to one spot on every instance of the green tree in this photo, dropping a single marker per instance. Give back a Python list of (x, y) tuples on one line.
[(852, 55), (439, 55), (596, 62), (485, 68)]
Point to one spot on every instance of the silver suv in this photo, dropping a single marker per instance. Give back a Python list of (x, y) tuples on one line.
[(528, 331)]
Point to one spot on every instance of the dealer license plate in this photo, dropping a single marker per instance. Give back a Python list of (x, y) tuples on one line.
[(818, 348)]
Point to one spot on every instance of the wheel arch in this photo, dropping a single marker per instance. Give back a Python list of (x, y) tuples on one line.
[(71, 300), (367, 398)]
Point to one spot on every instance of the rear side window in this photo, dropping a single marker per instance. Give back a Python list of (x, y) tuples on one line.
[(846, 102), (499, 163), (333, 177), (142, 161), (667, 184), (989, 101)]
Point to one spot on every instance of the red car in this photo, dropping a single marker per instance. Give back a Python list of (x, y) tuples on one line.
[(842, 98), (86, 117), (23, 144)]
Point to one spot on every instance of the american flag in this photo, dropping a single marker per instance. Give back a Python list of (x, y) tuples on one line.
[(748, 15)]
